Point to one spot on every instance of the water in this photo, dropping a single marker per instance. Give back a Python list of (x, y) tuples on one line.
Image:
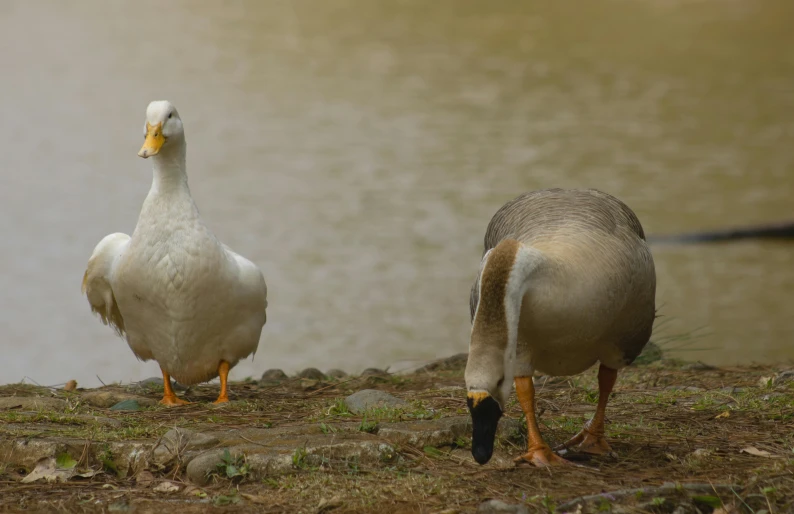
[(356, 150)]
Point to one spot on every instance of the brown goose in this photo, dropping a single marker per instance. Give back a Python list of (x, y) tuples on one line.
[(566, 280)]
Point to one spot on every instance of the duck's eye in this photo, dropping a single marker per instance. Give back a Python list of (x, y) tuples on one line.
[(170, 114), (499, 384)]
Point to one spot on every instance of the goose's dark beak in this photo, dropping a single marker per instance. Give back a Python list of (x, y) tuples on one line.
[(485, 414)]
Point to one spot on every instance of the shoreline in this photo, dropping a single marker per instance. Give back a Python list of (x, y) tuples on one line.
[(399, 443)]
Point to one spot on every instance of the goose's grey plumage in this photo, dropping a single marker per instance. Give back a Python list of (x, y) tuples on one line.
[(585, 284)]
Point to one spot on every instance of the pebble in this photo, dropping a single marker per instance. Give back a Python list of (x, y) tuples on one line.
[(498, 506), (701, 453), (272, 375), (166, 487), (199, 468), (373, 372), (127, 405), (312, 374), (368, 398), (107, 399), (336, 373), (784, 376), (178, 440)]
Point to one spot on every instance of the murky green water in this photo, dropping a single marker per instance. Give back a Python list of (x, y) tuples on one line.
[(356, 150)]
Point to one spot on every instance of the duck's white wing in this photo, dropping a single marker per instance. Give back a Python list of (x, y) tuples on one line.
[(251, 282), (96, 280)]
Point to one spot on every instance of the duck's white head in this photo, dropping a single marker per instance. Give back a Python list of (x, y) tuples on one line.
[(163, 127)]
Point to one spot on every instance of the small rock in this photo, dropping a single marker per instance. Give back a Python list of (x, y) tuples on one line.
[(498, 506), (179, 440), (307, 384), (701, 453), (374, 372), (144, 478), (166, 487), (784, 376), (369, 398), (127, 405), (765, 382), (273, 375), (70, 385), (312, 374), (106, 399), (199, 468), (336, 373), (437, 433), (325, 504)]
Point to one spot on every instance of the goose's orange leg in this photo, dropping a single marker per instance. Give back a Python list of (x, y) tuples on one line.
[(223, 372), (591, 438), (169, 398), (538, 452)]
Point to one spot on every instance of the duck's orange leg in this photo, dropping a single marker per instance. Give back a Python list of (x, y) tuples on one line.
[(223, 372), (169, 398), (538, 452), (591, 438)]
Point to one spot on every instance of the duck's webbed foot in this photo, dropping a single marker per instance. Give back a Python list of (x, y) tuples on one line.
[(591, 438), (173, 400), (169, 397), (589, 441), (538, 452), (540, 456)]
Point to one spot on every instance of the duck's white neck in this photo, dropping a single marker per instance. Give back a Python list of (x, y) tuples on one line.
[(527, 260), (170, 169), (506, 275)]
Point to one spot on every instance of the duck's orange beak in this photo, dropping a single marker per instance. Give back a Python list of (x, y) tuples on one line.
[(154, 140)]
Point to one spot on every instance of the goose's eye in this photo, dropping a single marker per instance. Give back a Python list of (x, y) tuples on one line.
[(499, 384), (170, 114)]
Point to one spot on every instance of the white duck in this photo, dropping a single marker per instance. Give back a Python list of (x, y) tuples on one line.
[(177, 294)]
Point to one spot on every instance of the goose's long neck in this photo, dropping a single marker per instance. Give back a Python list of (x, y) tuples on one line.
[(170, 170), (504, 280)]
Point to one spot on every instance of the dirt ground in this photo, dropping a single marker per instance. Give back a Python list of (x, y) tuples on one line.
[(686, 437)]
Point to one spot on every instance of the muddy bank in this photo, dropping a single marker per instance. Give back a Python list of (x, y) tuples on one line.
[(687, 438)]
